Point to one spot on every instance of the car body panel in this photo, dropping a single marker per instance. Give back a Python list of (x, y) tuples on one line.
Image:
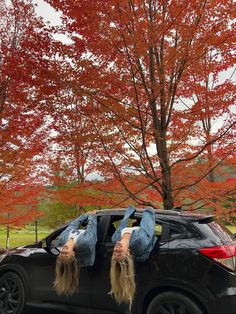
[(175, 264)]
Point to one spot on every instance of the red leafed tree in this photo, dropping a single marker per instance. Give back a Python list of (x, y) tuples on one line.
[(151, 75), (23, 50), (73, 137), (73, 145), (19, 205)]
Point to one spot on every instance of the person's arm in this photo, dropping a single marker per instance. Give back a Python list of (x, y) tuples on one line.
[(73, 225), (91, 228), (148, 222), (123, 224), (77, 222), (146, 234)]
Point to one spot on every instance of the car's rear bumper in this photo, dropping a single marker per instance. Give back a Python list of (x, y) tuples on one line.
[(220, 293), (225, 303)]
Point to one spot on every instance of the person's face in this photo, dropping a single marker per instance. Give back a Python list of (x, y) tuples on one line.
[(120, 252), (67, 251)]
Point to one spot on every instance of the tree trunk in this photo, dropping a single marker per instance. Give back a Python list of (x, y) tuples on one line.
[(159, 117), (211, 176), (36, 230), (8, 237), (168, 201)]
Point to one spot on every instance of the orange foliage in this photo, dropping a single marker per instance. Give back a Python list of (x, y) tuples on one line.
[(151, 79), (18, 205), (23, 47)]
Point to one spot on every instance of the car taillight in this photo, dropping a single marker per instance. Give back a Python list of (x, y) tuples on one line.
[(225, 255)]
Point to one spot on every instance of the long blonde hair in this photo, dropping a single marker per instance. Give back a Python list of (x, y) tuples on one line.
[(67, 275), (122, 280)]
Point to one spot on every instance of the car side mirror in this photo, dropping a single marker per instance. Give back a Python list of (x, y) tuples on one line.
[(2, 250), (53, 247), (53, 250), (49, 246)]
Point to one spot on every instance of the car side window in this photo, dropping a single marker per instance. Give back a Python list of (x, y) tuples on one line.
[(131, 223), (158, 230), (176, 231), (115, 222)]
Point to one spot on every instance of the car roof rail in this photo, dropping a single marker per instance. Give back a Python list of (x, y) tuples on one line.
[(178, 209), (206, 219)]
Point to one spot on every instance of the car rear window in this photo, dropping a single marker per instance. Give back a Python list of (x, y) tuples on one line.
[(217, 232)]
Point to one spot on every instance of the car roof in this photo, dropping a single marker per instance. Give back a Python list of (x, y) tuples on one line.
[(161, 213)]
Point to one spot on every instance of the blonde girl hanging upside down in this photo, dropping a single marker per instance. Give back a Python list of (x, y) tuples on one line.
[(131, 243), (78, 250)]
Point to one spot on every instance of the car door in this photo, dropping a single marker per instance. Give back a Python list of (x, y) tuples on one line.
[(147, 273), (41, 270), (100, 272)]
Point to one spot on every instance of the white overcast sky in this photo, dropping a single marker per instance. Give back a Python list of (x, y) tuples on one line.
[(47, 12)]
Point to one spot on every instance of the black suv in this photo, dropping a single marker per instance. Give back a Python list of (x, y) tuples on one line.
[(191, 270)]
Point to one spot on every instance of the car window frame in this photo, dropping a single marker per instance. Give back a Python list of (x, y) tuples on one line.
[(106, 219)]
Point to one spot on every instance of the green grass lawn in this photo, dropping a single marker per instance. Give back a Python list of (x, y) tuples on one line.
[(21, 237)]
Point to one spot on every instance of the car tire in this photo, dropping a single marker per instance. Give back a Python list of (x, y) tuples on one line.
[(173, 303), (12, 294)]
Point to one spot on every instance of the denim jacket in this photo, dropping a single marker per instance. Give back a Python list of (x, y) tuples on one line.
[(86, 243), (142, 240)]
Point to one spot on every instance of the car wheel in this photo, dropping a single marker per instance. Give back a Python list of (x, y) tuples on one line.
[(12, 294), (173, 303)]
